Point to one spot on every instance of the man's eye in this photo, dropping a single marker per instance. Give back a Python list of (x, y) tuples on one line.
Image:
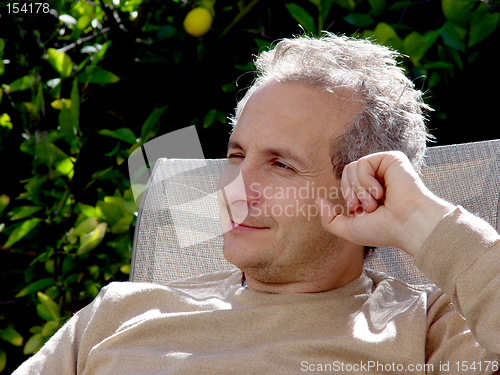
[(234, 156), (282, 165)]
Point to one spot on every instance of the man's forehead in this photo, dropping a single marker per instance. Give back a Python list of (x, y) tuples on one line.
[(304, 105)]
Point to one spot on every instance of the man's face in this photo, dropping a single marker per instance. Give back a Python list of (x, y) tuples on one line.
[(281, 149)]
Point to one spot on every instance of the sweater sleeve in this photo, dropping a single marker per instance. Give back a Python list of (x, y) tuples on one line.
[(60, 354), (462, 257)]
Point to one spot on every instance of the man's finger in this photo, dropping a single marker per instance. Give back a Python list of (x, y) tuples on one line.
[(360, 185), (332, 218), (348, 193)]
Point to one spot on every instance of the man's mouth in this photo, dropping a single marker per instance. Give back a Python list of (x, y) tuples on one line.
[(246, 227)]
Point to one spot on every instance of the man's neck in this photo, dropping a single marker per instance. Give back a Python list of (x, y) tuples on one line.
[(315, 284)]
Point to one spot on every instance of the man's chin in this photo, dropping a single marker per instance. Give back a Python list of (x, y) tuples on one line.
[(241, 253)]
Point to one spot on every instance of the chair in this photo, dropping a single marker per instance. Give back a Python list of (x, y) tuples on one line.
[(178, 235)]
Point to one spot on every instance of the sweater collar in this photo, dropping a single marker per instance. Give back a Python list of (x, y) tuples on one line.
[(362, 285)]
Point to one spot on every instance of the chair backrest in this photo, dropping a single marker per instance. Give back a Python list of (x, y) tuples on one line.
[(178, 233)]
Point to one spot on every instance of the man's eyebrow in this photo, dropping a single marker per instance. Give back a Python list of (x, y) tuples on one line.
[(275, 151), (288, 155), (233, 144)]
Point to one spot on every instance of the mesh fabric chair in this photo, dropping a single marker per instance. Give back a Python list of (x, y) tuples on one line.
[(178, 233)]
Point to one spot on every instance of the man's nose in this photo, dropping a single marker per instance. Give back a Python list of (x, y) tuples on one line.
[(239, 187)]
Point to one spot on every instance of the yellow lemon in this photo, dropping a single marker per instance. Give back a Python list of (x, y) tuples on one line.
[(198, 21)]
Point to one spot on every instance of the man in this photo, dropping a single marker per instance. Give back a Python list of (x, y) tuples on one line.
[(334, 115)]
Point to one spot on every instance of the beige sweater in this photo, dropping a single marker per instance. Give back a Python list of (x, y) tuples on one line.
[(376, 324)]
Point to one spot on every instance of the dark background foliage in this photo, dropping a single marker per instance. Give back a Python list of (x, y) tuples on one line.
[(84, 84)]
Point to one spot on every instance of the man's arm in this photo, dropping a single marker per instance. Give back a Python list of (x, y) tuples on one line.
[(62, 353), (467, 268), (459, 252)]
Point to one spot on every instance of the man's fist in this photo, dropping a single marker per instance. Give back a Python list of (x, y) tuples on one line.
[(387, 204)]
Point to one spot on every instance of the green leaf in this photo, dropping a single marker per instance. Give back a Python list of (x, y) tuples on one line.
[(221, 117), (60, 61), (458, 11), (113, 151), (434, 79), (3, 359), (92, 288), (49, 267), (84, 21), (125, 269), (385, 35), (377, 6), (482, 24), (11, 336), (416, 45), (45, 151), (66, 167), (38, 103), (359, 19), (128, 208), (21, 231), (95, 74), (36, 287), (50, 328), (91, 240), (4, 202), (86, 226), (20, 84), (123, 134), (100, 54), (437, 65), (347, 4), (122, 225), (43, 313), (447, 53), (209, 118), (302, 17), (53, 308), (152, 124), (24, 211), (5, 121), (454, 36), (35, 329), (68, 128), (86, 209), (34, 344), (324, 9), (106, 174), (75, 105), (400, 5), (68, 265), (108, 212)]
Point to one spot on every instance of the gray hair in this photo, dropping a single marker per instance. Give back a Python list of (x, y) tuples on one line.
[(392, 115)]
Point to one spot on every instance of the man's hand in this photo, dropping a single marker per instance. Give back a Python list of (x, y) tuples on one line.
[(387, 204)]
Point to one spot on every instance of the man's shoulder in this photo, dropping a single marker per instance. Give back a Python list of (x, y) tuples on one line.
[(116, 292), (385, 283), (207, 279)]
